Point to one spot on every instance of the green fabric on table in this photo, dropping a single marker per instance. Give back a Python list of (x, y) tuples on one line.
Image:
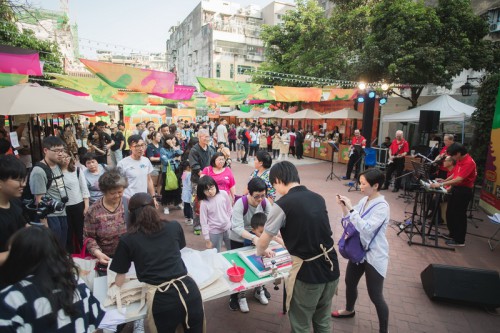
[(250, 276)]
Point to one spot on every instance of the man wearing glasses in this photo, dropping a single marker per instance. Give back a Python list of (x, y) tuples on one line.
[(137, 168), (243, 210), (53, 186)]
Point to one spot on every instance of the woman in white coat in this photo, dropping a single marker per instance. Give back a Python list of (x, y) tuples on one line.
[(370, 218)]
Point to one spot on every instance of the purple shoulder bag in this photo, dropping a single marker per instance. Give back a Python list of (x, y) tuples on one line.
[(350, 246)]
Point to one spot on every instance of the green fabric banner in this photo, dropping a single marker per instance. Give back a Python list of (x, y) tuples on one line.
[(8, 79), (224, 87)]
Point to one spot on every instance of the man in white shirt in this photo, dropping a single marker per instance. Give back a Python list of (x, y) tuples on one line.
[(137, 168), (222, 133)]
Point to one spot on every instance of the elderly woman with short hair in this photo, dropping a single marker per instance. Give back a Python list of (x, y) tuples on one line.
[(106, 219)]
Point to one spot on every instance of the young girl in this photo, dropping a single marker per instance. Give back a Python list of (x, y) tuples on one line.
[(187, 192), (215, 213)]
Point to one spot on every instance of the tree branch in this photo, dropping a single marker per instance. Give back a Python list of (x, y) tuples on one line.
[(403, 97)]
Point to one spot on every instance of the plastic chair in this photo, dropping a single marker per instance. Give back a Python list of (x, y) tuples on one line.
[(371, 157)]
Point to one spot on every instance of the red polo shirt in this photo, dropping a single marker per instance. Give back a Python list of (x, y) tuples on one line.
[(466, 169), (359, 141), (394, 147)]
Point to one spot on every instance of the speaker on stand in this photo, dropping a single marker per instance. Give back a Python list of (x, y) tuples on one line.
[(428, 123)]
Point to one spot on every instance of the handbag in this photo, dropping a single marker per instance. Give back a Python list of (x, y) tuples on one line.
[(86, 264), (350, 246), (171, 183)]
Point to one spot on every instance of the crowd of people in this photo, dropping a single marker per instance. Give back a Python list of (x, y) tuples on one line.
[(106, 190)]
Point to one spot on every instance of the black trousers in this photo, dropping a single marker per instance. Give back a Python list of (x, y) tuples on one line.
[(245, 146), (292, 150), (456, 213), (232, 145), (354, 161), (168, 311), (74, 241), (398, 166), (188, 210), (375, 286), (299, 150)]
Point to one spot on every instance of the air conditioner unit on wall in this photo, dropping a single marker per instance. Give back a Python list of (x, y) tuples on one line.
[(495, 27)]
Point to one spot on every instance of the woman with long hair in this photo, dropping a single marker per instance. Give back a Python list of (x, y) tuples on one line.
[(153, 153), (97, 145), (106, 219), (154, 245), (169, 157), (262, 164), (370, 218), (43, 293), (78, 201)]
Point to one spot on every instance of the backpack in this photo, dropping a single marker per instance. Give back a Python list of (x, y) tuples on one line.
[(240, 133), (27, 195), (244, 200)]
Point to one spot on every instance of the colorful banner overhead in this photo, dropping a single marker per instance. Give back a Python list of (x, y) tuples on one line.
[(100, 91), (224, 99), (342, 94), (16, 60), (131, 78), (7, 80), (293, 94), (181, 93), (133, 114), (224, 87), (267, 94), (184, 114), (490, 191)]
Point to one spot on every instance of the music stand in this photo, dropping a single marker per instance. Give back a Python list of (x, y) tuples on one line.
[(332, 173)]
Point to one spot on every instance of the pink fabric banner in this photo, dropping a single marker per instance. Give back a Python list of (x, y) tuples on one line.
[(181, 93), (73, 92), (27, 64)]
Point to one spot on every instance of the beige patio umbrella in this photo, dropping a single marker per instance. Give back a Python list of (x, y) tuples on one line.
[(251, 114), (278, 114), (31, 98), (345, 113), (304, 114), (235, 113)]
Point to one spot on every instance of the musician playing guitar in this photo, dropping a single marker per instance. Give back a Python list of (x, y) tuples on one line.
[(448, 140), (397, 151), (358, 143)]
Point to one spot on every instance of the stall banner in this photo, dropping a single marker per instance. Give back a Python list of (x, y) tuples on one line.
[(133, 114), (17, 60), (490, 191), (184, 114), (131, 78), (224, 87), (294, 94), (214, 98), (7, 79)]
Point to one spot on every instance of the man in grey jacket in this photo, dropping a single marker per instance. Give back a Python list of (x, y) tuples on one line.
[(199, 158)]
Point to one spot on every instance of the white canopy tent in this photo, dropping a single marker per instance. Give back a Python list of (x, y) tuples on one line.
[(450, 110)]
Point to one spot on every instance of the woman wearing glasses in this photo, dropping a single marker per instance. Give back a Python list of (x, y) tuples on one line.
[(222, 175), (78, 201)]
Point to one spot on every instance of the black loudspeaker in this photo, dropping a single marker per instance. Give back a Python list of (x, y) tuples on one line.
[(462, 285), (429, 121)]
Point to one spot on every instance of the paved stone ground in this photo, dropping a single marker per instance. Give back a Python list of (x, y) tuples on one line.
[(410, 309)]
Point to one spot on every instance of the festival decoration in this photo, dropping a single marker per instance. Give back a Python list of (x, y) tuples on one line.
[(224, 87), (7, 79), (16, 60), (293, 94)]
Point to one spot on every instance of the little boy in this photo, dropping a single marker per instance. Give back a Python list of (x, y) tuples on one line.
[(257, 223)]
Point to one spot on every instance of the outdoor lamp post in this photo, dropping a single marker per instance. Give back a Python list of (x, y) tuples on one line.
[(468, 88)]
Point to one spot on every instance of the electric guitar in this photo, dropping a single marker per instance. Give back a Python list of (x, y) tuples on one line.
[(391, 158)]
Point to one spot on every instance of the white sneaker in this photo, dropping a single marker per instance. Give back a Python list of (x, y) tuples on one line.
[(260, 296), (181, 206), (189, 221), (166, 211), (243, 305)]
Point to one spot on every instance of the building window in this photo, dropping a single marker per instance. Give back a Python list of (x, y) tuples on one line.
[(242, 69), (217, 70), (231, 72)]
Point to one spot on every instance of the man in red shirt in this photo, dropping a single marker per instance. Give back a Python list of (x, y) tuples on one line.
[(397, 151), (442, 172), (461, 182), (358, 143)]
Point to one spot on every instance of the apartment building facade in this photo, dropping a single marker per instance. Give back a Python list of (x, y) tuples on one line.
[(220, 39)]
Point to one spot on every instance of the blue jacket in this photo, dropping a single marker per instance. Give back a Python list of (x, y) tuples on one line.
[(168, 155)]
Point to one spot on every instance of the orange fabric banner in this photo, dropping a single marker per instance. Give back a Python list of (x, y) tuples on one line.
[(294, 94)]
